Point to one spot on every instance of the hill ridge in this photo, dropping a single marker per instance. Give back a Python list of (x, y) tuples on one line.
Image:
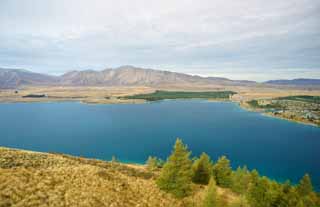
[(120, 76)]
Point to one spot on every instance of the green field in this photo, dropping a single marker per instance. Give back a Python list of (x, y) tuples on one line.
[(161, 95), (309, 99)]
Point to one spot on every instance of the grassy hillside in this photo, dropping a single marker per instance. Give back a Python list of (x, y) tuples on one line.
[(43, 179), (161, 95)]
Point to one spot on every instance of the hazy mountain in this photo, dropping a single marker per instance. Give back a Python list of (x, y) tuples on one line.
[(13, 78), (129, 75), (122, 76), (296, 82)]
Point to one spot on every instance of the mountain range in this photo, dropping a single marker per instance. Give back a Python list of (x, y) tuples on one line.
[(125, 76), (296, 82)]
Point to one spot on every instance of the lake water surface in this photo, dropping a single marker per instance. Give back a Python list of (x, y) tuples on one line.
[(277, 148)]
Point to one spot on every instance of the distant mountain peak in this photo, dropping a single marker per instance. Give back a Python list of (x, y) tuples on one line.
[(14, 78), (295, 82)]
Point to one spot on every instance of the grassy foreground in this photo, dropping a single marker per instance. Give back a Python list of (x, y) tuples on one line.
[(43, 179)]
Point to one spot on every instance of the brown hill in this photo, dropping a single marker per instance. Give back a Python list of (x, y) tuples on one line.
[(42, 179)]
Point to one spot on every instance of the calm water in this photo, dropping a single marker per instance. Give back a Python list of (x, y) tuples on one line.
[(277, 148)]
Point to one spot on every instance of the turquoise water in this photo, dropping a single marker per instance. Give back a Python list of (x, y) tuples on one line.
[(277, 148)]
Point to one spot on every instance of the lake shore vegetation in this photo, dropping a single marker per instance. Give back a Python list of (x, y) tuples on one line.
[(49, 179)]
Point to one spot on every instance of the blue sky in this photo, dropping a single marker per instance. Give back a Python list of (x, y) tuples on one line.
[(251, 39)]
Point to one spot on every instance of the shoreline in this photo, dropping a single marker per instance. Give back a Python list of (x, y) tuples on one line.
[(290, 120), (142, 101), (263, 113)]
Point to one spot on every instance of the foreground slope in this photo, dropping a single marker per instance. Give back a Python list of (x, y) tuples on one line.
[(43, 179)]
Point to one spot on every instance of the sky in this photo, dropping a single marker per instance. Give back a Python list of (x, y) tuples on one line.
[(251, 39)]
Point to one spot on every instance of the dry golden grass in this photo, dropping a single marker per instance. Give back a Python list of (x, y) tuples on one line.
[(83, 94), (42, 179), (99, 94)]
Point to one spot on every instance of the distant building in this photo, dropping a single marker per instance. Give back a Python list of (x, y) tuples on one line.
[(310, 115)]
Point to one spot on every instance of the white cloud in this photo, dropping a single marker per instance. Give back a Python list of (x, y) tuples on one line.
[(56, 35)]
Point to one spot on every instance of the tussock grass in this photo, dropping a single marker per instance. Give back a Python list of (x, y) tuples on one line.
[(44, 179)]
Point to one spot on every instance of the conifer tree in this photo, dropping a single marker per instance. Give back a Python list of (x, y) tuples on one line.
[(176, 174), (305, 186), (287, 197), (222, 172), (240, 180), (211, 197), (152, 163), (259, 194), (202, 169)]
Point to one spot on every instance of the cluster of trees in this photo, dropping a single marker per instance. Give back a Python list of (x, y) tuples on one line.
[(161, 95), (179, 173)]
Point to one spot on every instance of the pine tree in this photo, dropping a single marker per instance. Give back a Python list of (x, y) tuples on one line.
[(287, 197), (152, 163), (259, 194), (176, 174), (222, 172), (305, 186), (240, 180), (211, 197), (202, 169)]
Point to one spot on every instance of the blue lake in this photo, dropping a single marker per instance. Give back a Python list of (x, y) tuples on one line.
[(276, 148)]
